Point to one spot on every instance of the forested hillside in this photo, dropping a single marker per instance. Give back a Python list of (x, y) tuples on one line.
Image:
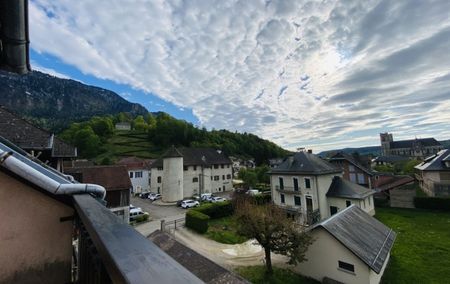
[(153, 133)]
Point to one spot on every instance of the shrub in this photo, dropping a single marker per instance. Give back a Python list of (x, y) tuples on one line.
[(261, 199), (197, 221), (436, 203), (216, 210)]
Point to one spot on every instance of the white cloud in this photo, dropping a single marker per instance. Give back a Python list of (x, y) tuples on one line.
[(301, 73)]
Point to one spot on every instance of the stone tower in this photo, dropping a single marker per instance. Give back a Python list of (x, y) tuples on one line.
[(386, 139), (172, 183)]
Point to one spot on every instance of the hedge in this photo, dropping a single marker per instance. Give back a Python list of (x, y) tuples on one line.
[(197, 221), (216, 210), (436, 203)]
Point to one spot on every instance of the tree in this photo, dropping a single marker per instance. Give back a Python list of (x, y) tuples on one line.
[(248, 176), (273, 230), (87, 142)]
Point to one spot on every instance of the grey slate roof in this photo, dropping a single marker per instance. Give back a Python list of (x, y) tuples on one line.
[(346, 189), (200, 266), (196, 157), (30, 137), (410, 143), (344, 156), (172, 153), (390, 159), (366, 237), (305, 163), (436, 162)]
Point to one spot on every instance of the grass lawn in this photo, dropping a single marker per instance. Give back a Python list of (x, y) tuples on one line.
[(421, 253), (224, 230), (256, 274)]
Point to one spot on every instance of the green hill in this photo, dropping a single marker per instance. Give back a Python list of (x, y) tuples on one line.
[(154, 133)]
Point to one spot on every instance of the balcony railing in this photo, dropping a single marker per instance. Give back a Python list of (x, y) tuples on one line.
[(308, 217), (287, 189), (110, 251)]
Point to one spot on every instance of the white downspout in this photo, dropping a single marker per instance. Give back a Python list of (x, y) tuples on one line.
[(20, 168)]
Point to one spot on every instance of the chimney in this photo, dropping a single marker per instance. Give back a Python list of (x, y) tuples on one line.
[(310, 151)]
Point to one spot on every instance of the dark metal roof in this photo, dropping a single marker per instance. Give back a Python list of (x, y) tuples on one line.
[(197, 157), (305, 163), (200, 266), (172, 153), (36, 165), (110, 177), (30, 137), (344, 156), (366, 237), (14, 38), (426, 142), (346, 189), (436, 162)]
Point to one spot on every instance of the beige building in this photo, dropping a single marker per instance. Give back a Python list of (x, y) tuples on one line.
[(434, 174), (311, 189), (183, 172), (349, 247), (36, 224)]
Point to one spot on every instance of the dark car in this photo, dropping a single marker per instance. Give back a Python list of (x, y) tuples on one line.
[(144, 195)]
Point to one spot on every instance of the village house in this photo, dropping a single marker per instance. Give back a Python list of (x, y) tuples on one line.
[(433, 174), (352, 169), (39, 143), (116, 182), (139, 171), (350, 247), (311, 189), (420, 148), (183, 172), (123, 126)]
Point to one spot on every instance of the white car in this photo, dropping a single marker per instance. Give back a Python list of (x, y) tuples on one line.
[(154, 196), (217, 199), (206, 196), (253, 192), (135, 213), (189, 204)]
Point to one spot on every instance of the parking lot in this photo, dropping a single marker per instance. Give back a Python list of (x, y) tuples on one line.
[(156, 211)]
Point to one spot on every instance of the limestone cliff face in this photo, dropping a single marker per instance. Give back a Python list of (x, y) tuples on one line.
[(54, 103)]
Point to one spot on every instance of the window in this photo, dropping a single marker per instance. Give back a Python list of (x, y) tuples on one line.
[(353, 177), (370, 197), (361, 179), (282, 198), (216, 166), (131, 174), (348, 203), (351, 168), (195, 179), (222, 166), (333, 210), (195, 168), (160, 168), (228, 166), (295, 184), (223, 177), (158, 179), (297, 201), (216, 177), (137, 174), (228, 176), (223, 188), (280, 179), (364, 202), (307, 183), (185, 168), (346, 266)]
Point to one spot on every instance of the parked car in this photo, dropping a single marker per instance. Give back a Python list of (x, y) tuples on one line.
[(217, 199), (206, 196), (135, 213), (253, 192), (189, 203), (154, 197), (144, 195), (179, 202), (132, 207)]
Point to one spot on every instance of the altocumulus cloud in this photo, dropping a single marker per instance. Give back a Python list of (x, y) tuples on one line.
[(303, 73)]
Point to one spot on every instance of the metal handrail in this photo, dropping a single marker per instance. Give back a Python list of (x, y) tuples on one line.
[(126, 255)]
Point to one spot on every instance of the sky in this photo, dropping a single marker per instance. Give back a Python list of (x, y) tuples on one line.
[(316, 74)]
